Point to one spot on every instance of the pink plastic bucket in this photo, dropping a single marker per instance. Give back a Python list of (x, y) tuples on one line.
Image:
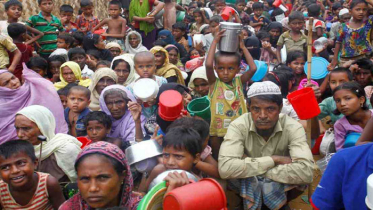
[(304, 103), (206, 194)]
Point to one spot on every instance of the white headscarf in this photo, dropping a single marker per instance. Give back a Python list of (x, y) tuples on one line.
[(65, 147), (199, 73), (139, 48), (129, 59)]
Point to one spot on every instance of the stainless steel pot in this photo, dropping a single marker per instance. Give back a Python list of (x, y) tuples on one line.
[(230, 42), (142, 151)]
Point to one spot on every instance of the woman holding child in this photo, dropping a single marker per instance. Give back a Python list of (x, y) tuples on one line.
[(59, 151)]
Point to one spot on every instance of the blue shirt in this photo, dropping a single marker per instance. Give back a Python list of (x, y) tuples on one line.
[(80, 129), (344, 183)]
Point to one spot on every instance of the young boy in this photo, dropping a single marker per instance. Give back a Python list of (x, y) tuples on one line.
[(65, 41), (293, 39), (78, 36), (54, 65), (21, 186), (78, 100), (178, 31), (169, 16), (257, 20), (86, 21), (362, 70), (240, 7), (226, 91), (79, 56), (18, 32), (46, 22), (181, 150), (98, 125), (13, 9), (117, 25), (318, 26), (62, 93), (214, 22), (67, 13)]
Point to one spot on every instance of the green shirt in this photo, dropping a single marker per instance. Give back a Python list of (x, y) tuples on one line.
[(48, 42), (288, 139), (327, 106)]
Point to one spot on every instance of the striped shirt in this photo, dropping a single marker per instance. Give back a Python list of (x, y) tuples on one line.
[(51, 30), (40, 200)]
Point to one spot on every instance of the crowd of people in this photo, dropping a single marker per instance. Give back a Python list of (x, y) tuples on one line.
[(70, 78)]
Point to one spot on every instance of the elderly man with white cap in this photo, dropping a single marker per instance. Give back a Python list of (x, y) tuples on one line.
[(267, 146)]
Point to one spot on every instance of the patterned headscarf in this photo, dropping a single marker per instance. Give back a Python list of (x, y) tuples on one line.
[(129, 200)]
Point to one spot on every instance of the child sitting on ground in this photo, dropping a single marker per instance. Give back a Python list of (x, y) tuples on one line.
[(178, 31), (98, 125), (86, 21), (21, 186), (78, 100), (293, 39), (117, 25), (66, 14), (207, 165), (39, 65), (226, 91), (62, 93), (54, 64), (18, 33), (65, 41), (267, 52), (181, 150), (257, 20)]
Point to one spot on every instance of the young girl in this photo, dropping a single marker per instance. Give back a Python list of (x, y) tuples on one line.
[(354, 37), (350, 100), (200, 18), (21, 186), (54, 65), (199, 83), (226, 91), (268, 53), (296, 60), (70, 73)]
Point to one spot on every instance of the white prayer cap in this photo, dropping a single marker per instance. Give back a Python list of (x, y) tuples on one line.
[(263, 88)]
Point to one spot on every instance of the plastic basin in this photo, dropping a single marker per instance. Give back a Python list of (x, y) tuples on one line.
[(351, 139)]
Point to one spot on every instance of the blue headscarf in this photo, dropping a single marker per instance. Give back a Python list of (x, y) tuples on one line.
[(170, 38)]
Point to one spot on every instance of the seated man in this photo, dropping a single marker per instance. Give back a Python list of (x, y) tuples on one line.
[(344, 182), (266, 149)]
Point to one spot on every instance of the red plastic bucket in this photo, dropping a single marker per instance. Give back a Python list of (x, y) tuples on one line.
[(85, 141), (209, 196), (170, 105), (277, 3), (304, 103), (225, 13)]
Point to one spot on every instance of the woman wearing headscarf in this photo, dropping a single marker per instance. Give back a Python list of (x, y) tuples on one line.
[(164, 68), (174, 56), (102, 78), (124, 68), (102, 158), (114, 48), (133, 43), (275, 29), (253, 45), (14, 96), (70, 72), (144, 22), (167, 37), (59, 151), (119, 103), (199, 83)]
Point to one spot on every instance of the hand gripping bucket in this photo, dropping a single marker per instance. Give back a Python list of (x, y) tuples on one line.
[(202, 195), (304, 103), (170, 105), (200, 107)]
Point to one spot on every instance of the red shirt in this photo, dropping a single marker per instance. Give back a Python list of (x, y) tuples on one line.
[(26, 51)]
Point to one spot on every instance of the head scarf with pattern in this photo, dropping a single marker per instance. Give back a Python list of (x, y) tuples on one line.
[(128, 199), (99, 74), (168, 69), (75, 68)]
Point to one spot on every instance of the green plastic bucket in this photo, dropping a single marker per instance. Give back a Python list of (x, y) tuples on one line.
[(154, 198), (200, 107), (180, 15)]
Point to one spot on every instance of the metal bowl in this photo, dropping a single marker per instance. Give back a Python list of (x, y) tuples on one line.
[(161, 176), (142, 151)]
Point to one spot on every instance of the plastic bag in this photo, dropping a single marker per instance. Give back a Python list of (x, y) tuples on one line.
[(323, 163)]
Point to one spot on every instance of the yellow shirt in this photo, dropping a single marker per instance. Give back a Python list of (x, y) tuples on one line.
[(287, 139), (227, 104), (6, 44)]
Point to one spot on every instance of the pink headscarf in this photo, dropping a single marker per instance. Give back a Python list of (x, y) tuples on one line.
[(35, 91)]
